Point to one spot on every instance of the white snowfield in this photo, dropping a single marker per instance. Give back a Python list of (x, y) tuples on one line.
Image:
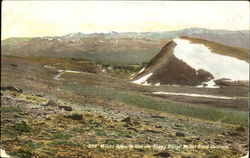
[(198, 56), (194, 95), (143, 80), (3, 154)]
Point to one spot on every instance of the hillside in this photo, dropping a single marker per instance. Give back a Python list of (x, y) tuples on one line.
[(99, 49), (195, 62)]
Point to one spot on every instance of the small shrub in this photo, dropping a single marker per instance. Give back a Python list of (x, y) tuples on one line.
[(111, 142), (22, 127), (100, 132)]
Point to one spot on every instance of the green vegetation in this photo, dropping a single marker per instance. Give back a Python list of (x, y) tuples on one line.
[(22, 154), (60, 136), (22, 127), (124, 134), (122, 71), (122, 57), (100, 132), (12, 41), (79, 130), (33, 145), (10, 109), (65, 143), (219, 115), (111, 142)]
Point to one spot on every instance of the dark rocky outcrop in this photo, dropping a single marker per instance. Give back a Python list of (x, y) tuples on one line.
[(11, 88), (162, 154), (168, 69), (74, 116), (66, 108), (227, 82)]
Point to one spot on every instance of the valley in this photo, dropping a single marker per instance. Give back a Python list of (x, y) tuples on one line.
[(63, 107)]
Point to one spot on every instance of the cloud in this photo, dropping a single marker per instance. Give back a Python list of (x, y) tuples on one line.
[(41, 18)]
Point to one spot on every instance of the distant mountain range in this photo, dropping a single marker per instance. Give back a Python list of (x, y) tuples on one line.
[(227, 37), (115, 47), (233, 38)]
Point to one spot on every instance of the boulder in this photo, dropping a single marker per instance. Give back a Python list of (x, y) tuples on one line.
[(66, 108), (179, 134), (51, 102), (162, 154), (11, 88), (74, 116)]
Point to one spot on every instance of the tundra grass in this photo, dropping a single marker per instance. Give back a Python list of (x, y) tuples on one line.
[(131, 98)]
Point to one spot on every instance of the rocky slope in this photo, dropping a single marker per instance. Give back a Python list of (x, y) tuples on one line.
[(194, 62), (37, 126)]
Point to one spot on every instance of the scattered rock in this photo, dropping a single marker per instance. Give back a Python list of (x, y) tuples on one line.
[(229, 141), (152, 131), (176, 125), (111, 126), (127, 119), (158, 126), (136, 123), (160, 117), (162, 154), (14, 65), (74, 116), (126, 125), (179, 134), (66, 108), (233, 134), (47, 117), (51, 102), (39, 95), (11, 88), (188, 140), (131, 128), (240, 129)]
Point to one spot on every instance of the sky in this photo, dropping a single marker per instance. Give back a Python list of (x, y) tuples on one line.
[(55, 18)]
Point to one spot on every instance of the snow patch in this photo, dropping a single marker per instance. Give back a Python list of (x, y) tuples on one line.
[(198, 56), (104, 70), (57, 77), (157, 84), (143, 80), (3, 154), (141, 70), (194, 95), (132, 76), (209, 84), (48, 66)]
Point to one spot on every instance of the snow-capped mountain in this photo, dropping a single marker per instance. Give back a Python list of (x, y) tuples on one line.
[(196, 62)]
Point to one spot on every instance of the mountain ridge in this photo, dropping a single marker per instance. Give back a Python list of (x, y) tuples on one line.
[(193, 62), (238, 38)]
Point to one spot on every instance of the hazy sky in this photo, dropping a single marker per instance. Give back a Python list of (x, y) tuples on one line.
[(37, 18)]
